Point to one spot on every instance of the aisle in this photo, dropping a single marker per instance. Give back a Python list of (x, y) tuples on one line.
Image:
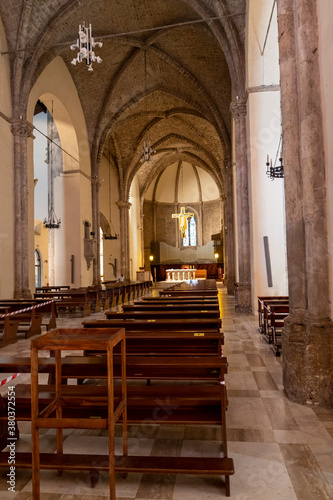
[(281, 450)]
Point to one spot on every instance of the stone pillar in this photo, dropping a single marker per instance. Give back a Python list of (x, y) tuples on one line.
[(21, 130), (229, 230), (124, 207), (243, 296), (95, 185), (307, 337)]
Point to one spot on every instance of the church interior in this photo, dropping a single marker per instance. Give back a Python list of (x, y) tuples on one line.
[(181, 146)]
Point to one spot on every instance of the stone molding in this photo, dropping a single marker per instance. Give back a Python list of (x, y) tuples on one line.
[(238, 109), (124, 204)]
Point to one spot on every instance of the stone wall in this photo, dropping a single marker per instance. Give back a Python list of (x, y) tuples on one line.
[(163, 228)]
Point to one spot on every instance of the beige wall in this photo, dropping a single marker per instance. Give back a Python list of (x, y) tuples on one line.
[(42, 244), (167, 230), (325, 16), (7, 248), (109, 193), (264, 126), (73, 188)]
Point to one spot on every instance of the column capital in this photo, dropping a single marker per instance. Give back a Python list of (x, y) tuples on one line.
[(238, 109), (22, 128), (124, 204), (96, 180)]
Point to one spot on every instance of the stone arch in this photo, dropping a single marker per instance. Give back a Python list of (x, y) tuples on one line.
[(56, 89)]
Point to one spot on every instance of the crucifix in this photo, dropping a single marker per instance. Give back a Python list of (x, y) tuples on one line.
[(182, 220)]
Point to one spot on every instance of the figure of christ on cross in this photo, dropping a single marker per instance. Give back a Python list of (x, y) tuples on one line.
[(182, 220)]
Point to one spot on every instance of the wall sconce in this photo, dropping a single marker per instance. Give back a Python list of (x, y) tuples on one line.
[(151, 258), (216, 255)]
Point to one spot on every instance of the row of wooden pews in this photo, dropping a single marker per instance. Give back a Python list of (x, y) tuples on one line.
[(174, 361), (25, 317), (271, 314), (174, 343), (92, 299)]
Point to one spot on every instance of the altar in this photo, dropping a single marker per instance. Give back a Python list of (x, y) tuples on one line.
[(180, 274)]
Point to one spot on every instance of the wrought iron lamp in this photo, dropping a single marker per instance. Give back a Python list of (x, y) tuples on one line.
[(275, 172), (86, 44), (52, 222)]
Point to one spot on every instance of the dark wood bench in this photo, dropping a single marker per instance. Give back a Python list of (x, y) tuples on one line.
[(68, 299), (48, 309), (168, 403), (278, 313), (187, 294), (262, 300), (156, 306), (28, 321), (8, 329), (163, 314), (187, 324), (267, 331)]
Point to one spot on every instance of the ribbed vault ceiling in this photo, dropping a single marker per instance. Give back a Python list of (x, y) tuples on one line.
[(192, 71), (182, 182)]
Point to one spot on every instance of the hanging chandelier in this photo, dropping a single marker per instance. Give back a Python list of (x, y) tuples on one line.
[(86, 44), (147, 150), (52, 222), (277, 171)]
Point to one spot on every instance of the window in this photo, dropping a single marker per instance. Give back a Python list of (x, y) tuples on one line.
[(190, 239), (38, 269)]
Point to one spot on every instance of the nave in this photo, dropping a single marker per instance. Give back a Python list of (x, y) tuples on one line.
[(281, 450)]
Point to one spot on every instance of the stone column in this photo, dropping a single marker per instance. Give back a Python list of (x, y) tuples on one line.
[(22, 130), (95, 185), (124, 207), (229, 230), (244, 300), (307, 340)]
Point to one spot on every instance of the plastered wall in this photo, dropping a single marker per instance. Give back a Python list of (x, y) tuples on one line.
[(264, 130), (7, 248), (73, 188)]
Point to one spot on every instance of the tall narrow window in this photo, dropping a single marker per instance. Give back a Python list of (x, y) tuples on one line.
[(101, 267), (190, 239), (38, 269)]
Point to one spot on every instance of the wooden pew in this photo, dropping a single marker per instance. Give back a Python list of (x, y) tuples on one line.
[(27, 322), (155, 404), (8, 330), (187, 324), (181, 301), (153, 306), (278, 313), (187, 294), (267, 331), (70, 299), (163, 314), (179, 404), (48, 310), (262, 300)]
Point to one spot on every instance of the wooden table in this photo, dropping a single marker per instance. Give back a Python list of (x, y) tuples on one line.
[(76, 339)]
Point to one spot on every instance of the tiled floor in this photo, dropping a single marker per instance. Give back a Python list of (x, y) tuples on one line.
[(281, 450)]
